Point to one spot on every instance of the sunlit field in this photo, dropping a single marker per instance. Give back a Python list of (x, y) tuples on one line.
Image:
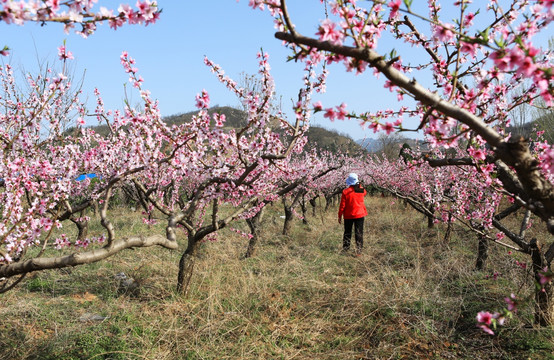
[(411, 295)]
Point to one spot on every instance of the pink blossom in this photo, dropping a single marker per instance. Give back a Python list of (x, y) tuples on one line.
[(545, 276), (327, 32), (516, 56), (375, 126), (468, 20), (394, 6), (64, 54), (256, 4), (317, 106), (330, 114), (389, 85), (203, 100), (469, 48), (341, 111), (500, 60), (54, 5), (484, 317), (477, 153), (443, 32), (521, 265), (512, 303)]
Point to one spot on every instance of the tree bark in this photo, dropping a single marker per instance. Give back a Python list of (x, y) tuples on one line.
[(431, 219), (544, 300), (482, 253), (18, 268), (304, 210), (328, 200), (448, 233), (186, 265), (313, 203), (288, 219), (254, 225), (82, 227)]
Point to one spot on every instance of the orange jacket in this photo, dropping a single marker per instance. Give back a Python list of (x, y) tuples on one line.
[(352, 204)]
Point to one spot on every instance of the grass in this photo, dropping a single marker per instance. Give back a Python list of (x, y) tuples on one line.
[(409, 296)]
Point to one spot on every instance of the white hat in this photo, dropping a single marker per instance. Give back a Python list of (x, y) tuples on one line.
[(352, 179)]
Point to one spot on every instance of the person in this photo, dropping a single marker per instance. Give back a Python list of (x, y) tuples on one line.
[(352, 208)]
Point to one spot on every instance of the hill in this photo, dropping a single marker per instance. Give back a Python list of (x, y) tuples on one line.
[(318, 137), (544, 123), (235, 117)]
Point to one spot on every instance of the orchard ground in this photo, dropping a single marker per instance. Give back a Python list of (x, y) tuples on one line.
[(409, 296)]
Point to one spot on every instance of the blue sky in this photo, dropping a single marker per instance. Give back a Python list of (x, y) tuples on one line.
[(170, 54)]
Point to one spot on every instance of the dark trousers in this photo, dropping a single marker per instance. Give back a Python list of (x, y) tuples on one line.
[(358, 233)]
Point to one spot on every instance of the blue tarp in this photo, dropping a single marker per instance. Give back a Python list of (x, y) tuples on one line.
[(85, 176)]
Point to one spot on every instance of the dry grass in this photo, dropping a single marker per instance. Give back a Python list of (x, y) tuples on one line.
[(409, 296)]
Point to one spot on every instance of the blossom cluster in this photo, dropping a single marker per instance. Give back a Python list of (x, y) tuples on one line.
[(74, 12), (182, 168)]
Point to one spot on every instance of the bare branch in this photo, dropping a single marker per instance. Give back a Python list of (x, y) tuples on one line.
[(8, 270)]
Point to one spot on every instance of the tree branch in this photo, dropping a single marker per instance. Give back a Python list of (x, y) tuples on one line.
[(23, 267), (514, 153)]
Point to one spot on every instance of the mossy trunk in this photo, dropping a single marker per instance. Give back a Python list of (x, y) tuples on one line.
[(544, 294), (186, 265), (254, 225)]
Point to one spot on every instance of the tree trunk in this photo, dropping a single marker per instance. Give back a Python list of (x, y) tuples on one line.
[(544, 299), (328, 200), (431, 219), (186, 265), (95, 207), (313, 203), (304, 210), (254, 225), (448, 233), (482, 253), (430, 222), (288, 219), (82, 227)]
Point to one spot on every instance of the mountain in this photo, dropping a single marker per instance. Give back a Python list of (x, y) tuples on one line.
[(389, 144), (370, 145)]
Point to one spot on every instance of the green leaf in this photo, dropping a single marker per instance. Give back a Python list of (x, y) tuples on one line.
[(485, 34)]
